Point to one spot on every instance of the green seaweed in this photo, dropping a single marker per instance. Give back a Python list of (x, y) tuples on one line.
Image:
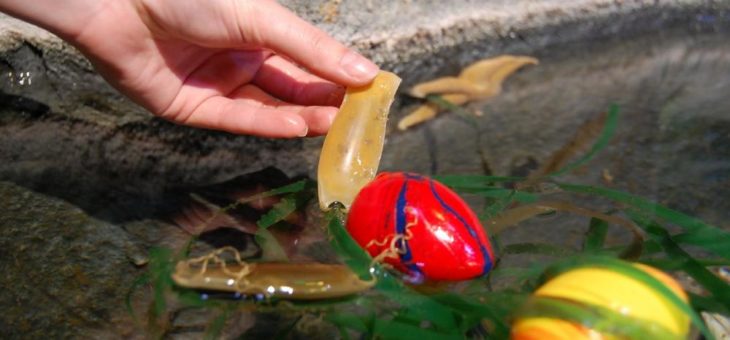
[(697, 233), (215, 327), (601, 142), (278, 212), (161, 267), (396, 309), (536, 248), (718, 289), (596, 235), (351, 253), (270, 247), (298, 194), (141, 280)]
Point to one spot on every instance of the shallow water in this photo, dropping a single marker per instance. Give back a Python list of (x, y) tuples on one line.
[(672, 145), (672, 139)]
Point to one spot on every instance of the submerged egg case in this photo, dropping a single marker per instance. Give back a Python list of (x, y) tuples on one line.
[(442, 238)]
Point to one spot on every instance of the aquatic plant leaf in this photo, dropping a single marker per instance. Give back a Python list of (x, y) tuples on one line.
[(719, 289), (697, 233), (598, 318), (537, 248), (584, 133), (287, 189), (463, 182), (361, 263), (284, 332), (287, 205), (415, 304), (393, 329), (323, 304), (141, 280), (528, 276), (493, 306), (677, 264), (511, 217), (652, 247), (708, 239), (297, 195), (161, 267), (343, 333), (197, 222), (633, 272), (270, 247), (446, 102), (215, 327), (352, 254), (278, 212), (708, 304), (514, 216), (352, 321), (494, 192), (493, 210), (193, 298), (596, 235)]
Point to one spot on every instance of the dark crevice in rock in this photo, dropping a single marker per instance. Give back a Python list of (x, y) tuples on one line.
[(121, 173), (13, 107)]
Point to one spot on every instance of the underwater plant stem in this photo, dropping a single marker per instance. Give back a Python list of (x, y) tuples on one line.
[(516, 215)]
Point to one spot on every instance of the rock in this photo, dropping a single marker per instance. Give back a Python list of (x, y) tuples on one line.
[(64, 273), (50, 84), (84, 170)]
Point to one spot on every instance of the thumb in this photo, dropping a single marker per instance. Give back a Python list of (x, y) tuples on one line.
[(268, 24)]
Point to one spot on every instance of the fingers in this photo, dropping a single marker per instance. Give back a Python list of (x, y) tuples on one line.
[(317, 118), (251, 111), (288, 82), (225, 71), (217, 95), (268, 24)]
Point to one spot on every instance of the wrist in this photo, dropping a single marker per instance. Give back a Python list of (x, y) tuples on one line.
[(65, 18)]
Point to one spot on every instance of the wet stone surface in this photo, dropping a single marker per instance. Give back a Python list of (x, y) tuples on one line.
[(64, 273), (670, 144)]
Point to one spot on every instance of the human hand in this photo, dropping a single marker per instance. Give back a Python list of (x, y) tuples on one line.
[(217, 64)]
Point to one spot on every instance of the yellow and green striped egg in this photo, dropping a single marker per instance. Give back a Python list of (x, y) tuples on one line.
[(610, 290)]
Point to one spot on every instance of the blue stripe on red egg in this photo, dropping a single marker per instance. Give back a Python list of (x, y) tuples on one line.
[(400, 229), (486, 253), (447, 242)]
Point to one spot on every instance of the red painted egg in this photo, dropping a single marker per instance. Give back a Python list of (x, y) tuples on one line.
[(427, 229)]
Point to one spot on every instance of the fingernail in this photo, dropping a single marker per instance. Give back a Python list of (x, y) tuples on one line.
[(331, 116), (299, 123), (358, 67), (304, 132)]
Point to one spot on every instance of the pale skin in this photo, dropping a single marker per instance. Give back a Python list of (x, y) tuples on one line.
[(232, 65)]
